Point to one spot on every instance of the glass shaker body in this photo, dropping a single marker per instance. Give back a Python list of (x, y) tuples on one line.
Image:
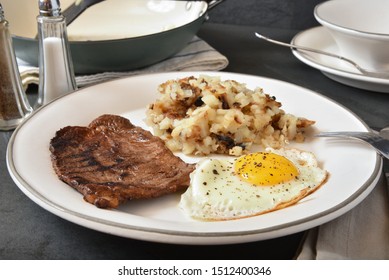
[(14, 106), (56, 76)]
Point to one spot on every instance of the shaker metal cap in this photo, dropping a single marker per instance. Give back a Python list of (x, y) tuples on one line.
[(1, 13), (49, 8)]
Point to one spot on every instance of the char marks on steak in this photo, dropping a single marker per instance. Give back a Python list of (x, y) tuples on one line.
[(112, 161)]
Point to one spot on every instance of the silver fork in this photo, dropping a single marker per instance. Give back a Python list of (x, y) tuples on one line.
[(363, 71), (376, 140)]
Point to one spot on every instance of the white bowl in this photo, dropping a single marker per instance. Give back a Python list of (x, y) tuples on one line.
[(360, 28)]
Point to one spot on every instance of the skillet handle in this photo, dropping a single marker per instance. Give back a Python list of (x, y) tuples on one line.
[(213, 3)]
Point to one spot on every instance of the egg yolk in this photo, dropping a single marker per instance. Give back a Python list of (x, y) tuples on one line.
[(265, 169)]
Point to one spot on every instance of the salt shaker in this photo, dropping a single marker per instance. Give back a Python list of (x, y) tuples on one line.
[(14, 106), (56, 74)]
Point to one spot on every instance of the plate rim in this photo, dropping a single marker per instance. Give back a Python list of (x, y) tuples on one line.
[(201, 237)]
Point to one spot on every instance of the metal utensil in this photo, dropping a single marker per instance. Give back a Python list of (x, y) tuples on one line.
[(384, 132), (379, 141), (363, 71), (77, 8)]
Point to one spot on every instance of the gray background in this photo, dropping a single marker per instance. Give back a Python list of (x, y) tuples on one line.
[(297, 14)]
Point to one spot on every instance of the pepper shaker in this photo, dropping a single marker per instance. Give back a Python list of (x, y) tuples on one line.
[(56, 74), (14, 106)]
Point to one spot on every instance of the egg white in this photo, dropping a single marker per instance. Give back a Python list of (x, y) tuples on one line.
[(217, 193)]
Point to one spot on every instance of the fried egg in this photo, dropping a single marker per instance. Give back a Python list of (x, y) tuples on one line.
[(253, 184)]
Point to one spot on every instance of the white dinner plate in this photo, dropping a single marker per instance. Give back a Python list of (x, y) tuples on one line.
[(336, 69), (353, 166)]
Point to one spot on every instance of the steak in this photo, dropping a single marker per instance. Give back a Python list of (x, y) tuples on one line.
[(112, 161)]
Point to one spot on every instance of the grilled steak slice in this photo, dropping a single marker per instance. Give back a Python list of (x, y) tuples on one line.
[(112, 161)]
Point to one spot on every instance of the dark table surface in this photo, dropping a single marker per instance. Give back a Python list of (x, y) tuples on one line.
[(27, 231)]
